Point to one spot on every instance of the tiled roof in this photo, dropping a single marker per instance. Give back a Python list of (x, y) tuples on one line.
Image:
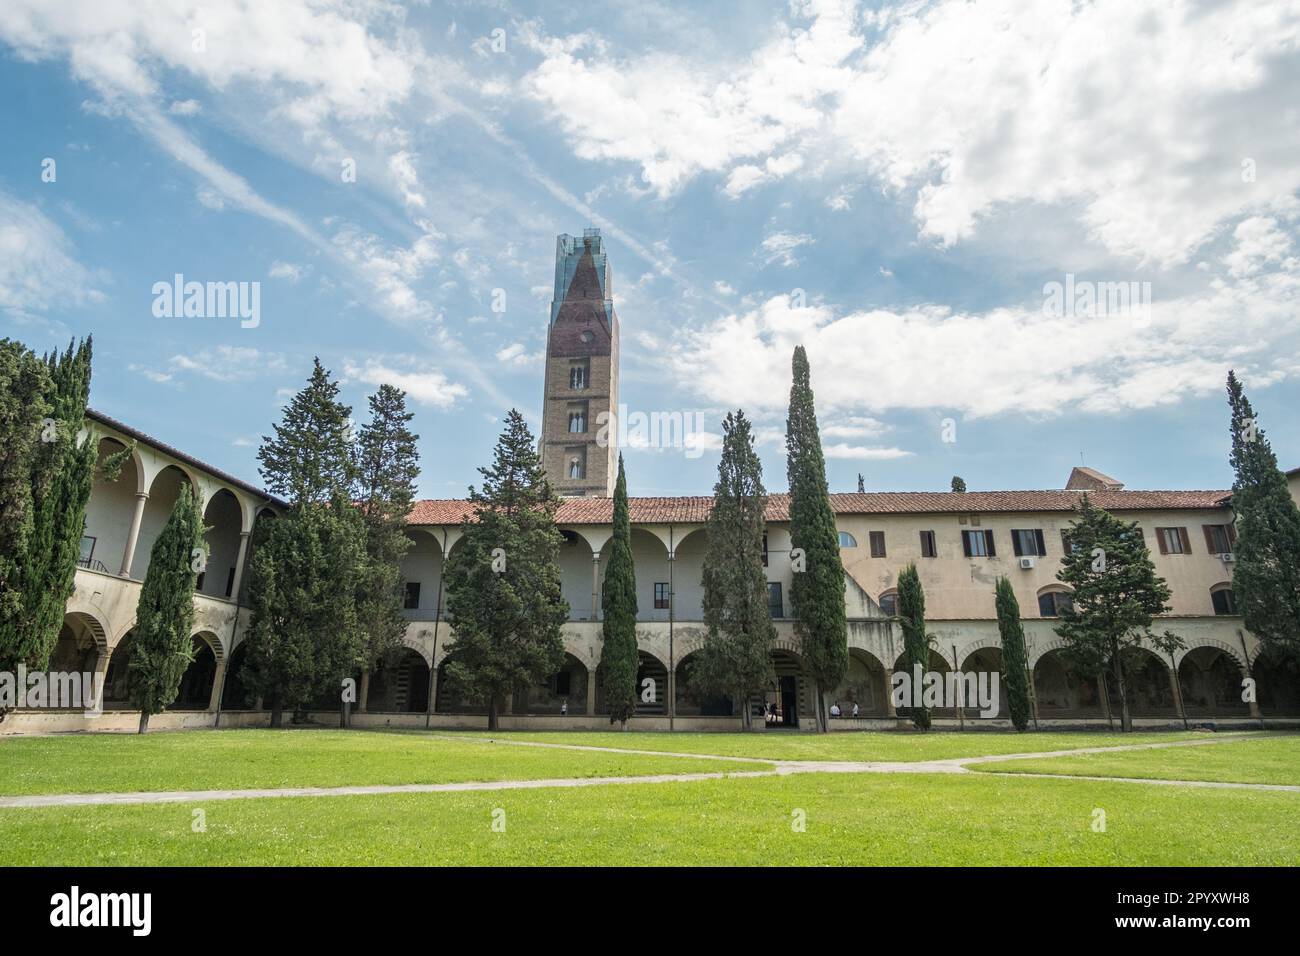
[(688, 510)]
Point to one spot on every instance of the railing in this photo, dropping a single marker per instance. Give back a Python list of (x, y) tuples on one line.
[(92, 565)]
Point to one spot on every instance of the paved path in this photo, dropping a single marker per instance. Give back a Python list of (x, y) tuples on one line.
[(777, 768)]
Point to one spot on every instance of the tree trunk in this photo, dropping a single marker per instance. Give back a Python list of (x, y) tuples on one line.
[(144, 721), (343, 716), (492, 712), (277, 715), (1125, 718), (823, 721)]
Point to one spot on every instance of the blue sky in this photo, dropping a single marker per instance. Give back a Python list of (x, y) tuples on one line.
[(891, 185)]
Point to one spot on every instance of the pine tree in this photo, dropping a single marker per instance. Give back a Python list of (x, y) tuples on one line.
[(618, 656), (735, 659), (388, 465), (45, 482), (1015, 674), (1266, 573), (958, 483), (916, 642), (310, 565), (1116, 595), (163, 646), (310, 459), (816, 591), (503, 579)]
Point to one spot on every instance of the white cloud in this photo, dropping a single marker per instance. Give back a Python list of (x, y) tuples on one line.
[(425, 386), (184, 108), (38, 272), (844, 451), (517, 355), (288, 270), (1259, 242), (780, 247), (402, 167), (390, 271), (1018, 359), (723, 288)]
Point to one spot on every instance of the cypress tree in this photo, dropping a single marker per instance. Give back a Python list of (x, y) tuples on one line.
[(45, 482), (310, 457), (1116, 596), (503, 578), (1266, 574), (164, 617), (816, 591), (916, 642), (735, 659), (618, 656), (1014, 664)]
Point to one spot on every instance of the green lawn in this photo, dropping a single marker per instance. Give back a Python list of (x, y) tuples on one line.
[(240, 759), (1270, 760), (850, 745), (901, 819)]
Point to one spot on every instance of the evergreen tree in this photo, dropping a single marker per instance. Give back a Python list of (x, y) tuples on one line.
[(503, 580), (163, 646), (618, 656), (1116, 595), (816, 592), (1015, 674), (310, 458), (916, 642), (310, 569), (45, 482), (958, 483), (24, 383), (1266, 574), (735, 659), (862, 484), (388, 464), (305, 635)]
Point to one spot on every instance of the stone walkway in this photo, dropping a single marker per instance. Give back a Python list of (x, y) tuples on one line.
[(778, 768)]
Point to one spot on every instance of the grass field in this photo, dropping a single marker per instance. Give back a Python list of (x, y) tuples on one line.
[(857, 746), (988, 818), (255, 759), (1273, 760)]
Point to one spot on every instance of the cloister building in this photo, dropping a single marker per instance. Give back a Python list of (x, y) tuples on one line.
[(961, 543)]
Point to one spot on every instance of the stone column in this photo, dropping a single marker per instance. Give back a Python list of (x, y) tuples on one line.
[(890, 710), (1180, 709), (591, 692), (239, 564), (218, 682), (98, 685), (133, 534), (595, 586)]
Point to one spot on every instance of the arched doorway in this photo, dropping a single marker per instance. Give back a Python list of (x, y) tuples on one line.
[(195, 692), (564, 691), (984, 663), (865, 683), (1210, 682), (786, 699), (400, 684), (1062, 692)]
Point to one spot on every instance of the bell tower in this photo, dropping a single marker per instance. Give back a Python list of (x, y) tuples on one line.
[(581, 388)]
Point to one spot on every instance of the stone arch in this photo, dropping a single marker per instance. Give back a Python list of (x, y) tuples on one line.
[(164, 489), (690, 704), (564, 692), (234, 694), (1214, 642), (399, 683), (865, 683), (938, 663), (195, 690), (650, 557), (117, 679), (422, 569), (688, 573), (987, 659), (1209, 682), (1061, 691), (1150, 684), (223, 517), (1054, 588), (790, 696)]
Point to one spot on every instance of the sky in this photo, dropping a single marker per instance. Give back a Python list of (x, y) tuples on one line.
[(905, 189)]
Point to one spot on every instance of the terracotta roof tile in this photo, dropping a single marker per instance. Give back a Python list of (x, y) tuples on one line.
[(689, 510)]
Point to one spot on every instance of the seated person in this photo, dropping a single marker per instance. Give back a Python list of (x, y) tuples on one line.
[(835, 709)]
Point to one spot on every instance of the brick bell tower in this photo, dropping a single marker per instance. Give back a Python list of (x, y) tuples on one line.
[(579, 455)]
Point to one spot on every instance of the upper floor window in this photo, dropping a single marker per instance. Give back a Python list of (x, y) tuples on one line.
[(1051, 603), (577, 421), (847, 540), (774, 604), (575, 468), (578, 376), (1222, 598), (889, 603), (1219, 538), (978, 544), (877, 541), (1173, 541), (1028, 541), (661, 595), (928, 549)]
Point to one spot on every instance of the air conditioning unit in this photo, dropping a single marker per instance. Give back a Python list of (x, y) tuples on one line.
[(1228, 557), (1026, 564)]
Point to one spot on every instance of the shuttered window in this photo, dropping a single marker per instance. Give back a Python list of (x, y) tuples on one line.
[(877, 539), (1173, 541), (928, 549), (1028, 541), (1219, 538), (978, 544)]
